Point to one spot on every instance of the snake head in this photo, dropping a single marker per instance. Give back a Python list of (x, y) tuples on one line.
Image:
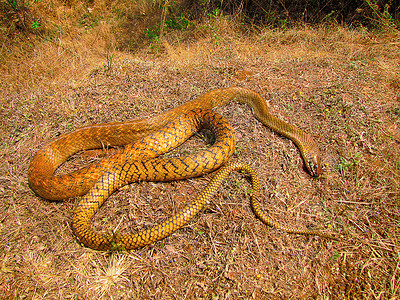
[(313, 164)]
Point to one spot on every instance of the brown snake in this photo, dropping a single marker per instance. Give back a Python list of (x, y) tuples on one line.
[(145, 140)]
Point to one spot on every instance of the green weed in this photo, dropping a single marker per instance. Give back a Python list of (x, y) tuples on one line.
[(384, 18), (89, 20), (346, 164), (36, 24), (107, 66), (179, 22), (335, 256), (215, 13), (18, 10)]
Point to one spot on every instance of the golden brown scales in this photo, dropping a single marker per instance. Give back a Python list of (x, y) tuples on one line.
[(139, 161)]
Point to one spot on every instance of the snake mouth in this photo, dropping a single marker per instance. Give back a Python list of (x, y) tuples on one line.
[(313, 165)]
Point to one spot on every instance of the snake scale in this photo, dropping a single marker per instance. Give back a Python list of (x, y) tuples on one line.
[(143, 141)]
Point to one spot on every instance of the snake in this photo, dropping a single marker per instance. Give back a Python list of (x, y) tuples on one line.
[(142, 143)]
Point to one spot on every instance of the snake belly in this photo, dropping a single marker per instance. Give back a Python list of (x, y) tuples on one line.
[(140, 161)]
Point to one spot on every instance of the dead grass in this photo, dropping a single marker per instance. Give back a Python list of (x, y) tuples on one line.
[(340, 85)]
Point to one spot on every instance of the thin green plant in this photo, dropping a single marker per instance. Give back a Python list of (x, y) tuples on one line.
[(383, 18)]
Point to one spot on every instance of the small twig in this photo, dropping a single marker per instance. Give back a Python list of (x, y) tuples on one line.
[(353, 202)]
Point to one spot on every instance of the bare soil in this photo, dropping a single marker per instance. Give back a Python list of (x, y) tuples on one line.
[(341, 86)]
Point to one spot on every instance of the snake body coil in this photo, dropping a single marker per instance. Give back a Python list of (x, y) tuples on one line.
[(145, 141)]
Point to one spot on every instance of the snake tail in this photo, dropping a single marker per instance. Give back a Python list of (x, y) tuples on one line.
[(97, 241), (143, 142)]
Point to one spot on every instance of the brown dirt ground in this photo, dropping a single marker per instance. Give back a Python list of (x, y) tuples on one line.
[(342, 86)]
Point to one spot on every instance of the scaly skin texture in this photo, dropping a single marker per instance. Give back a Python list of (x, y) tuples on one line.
[(145, 140), (48, 159), (88, 206)]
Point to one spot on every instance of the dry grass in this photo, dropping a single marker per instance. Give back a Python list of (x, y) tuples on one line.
[(342, 86)]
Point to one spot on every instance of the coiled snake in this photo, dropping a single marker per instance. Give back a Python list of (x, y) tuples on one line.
[(145, 141)]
